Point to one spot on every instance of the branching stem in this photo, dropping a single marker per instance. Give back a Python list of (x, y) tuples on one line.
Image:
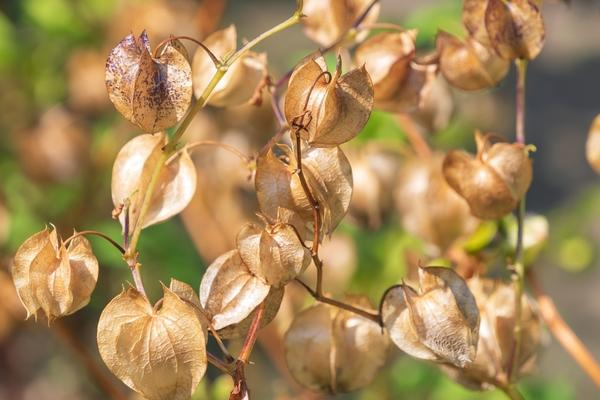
[(99, 234)]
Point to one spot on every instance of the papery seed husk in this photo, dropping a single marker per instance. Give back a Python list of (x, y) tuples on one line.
[(592, 149), (159, 353), (473, 18), (410, 95)]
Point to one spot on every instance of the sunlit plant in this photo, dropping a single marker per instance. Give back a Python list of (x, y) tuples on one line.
[(483, 332)]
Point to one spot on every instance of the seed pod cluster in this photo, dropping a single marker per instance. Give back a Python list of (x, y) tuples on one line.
[(332, 109), (438, 322), (429, 208), (494, 181), (333, 350), (496, 301), (53, 277), (242, 77), (153, 92)]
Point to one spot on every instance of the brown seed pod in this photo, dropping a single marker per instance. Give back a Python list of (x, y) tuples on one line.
[(160, 351), (469, 65), (329, 177), (496, 301), (274, 253), (387, 58), (153, 93), (334, 350), (242, 78), (55, 278), (473, 18), (495, 181), (132, 172), (592, 148), (327, 20), (331, 109), (515, 28), (439, 322), (429, 208), (229, 292)]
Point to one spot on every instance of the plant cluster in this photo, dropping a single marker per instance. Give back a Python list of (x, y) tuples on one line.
[(483, 332)]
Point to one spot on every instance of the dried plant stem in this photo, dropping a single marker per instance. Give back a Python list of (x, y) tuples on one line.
[(511, 392), (99, 234), (519, 261), (218, 363), (131, 253), (95, 373), (212, 56), (245, 159), (416, 139), (563, 333)]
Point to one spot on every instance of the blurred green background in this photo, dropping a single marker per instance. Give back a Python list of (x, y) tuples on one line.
[(59, 136)]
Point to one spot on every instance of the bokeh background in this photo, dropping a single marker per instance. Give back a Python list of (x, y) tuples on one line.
[(59, 136)]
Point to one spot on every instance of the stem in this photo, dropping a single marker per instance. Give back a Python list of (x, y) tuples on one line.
[(511, 392), (519, 263), (251, 336), (99, 234), (95, 373), (520, 100), (563, 333), (220, 364), (224, 146), (417, 142), (212, 56), (323, 299)]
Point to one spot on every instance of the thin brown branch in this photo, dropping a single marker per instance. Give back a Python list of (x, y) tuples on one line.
[(212, 56), (245, 159), (563, 332), (102, 382), (415, 138), (99, 234), (219, 364)]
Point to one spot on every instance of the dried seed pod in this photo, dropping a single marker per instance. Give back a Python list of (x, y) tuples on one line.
[(495, 181), (411, 94), (496, 301), (327, 20), (515, 28), (229, 292), (332, 109), (242, 78), (469, 65), (439, 322), (592, 148), (160, 351), (334, 350), (387, 58), (429, 208), (473, 18), (274, 254), (329, 177), (240, 330), (132, 173), (55, 278), (152, 92)]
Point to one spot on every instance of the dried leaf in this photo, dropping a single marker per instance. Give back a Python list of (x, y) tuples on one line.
[(494, 182), (242, 78), (158, 352), (439, 322), (516, 28), (429, 208), (333, 350), (469, 65), (339, 108), (387, 57), (229, 292), (327, 20), (132, 173), (592, 149), (55, 278), (153, 93)]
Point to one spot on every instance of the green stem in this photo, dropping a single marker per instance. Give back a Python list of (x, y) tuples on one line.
[(512, 392)]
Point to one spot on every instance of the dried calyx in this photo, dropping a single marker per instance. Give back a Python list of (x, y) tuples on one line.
[(494, 181), (333, 350), (328, 109), (52, 276), (438, 322), (496, 301), (152, 92), (242, 77)]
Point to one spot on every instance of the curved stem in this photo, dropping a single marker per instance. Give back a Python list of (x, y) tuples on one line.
[(212, 56), (512, 392), (415, 138), (99, 234), (563, 333), (224, 146), (520, 100)]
